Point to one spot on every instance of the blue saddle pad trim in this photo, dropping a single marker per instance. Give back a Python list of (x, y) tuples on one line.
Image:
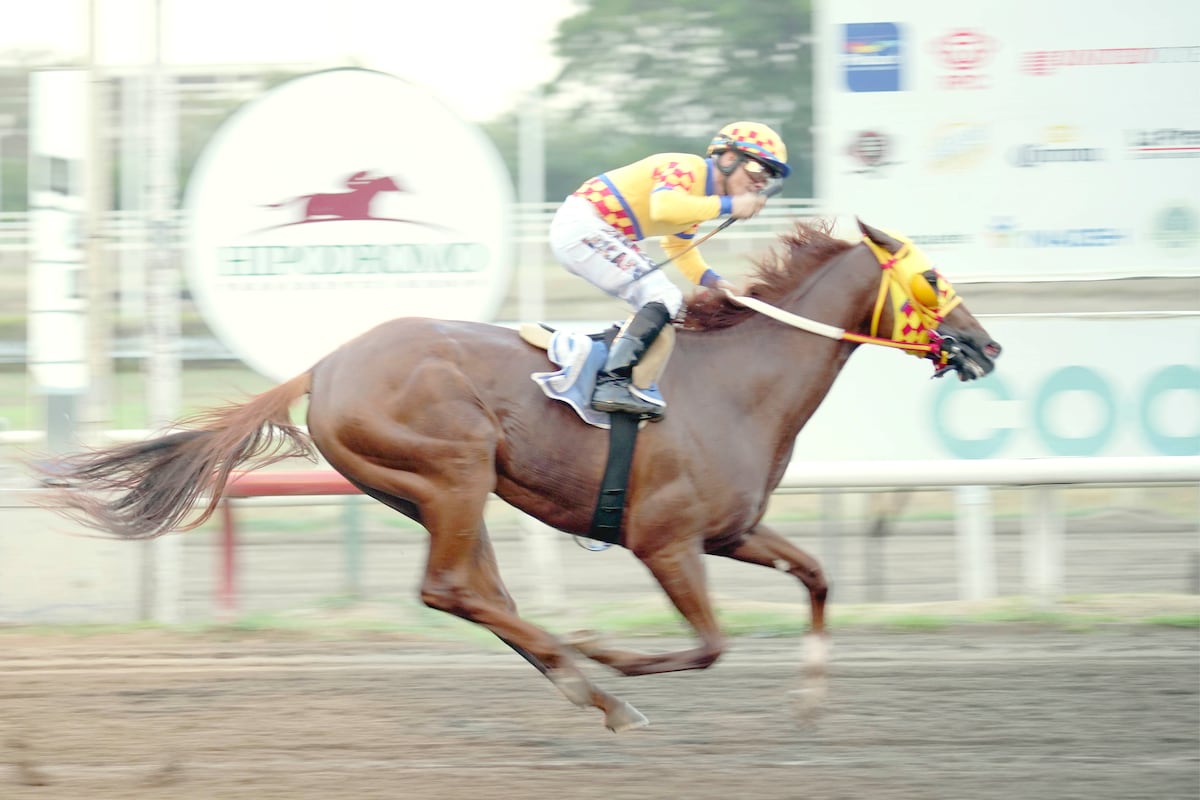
[(579, 358)]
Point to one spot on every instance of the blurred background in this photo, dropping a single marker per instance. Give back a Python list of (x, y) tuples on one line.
[(1041, 155)]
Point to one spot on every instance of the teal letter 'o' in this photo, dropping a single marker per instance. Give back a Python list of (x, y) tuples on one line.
[(1183, 377), (970, 448), (1075, 378)]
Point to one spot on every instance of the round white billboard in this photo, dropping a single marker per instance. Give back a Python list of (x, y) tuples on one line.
[(337, 201)]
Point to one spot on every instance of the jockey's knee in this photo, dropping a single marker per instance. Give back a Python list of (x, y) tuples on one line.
[(655, 288)]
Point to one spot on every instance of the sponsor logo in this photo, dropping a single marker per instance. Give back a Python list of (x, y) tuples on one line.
[(963, 55), (1005, 232), (1049, 62), (870, 150), (1164, 143), (1176, 228), (354, 203), (935, 240), (957, 146), (871, 56), (337, 201), (1058, 146)]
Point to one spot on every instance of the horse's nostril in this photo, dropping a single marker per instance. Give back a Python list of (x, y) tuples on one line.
[(991, 349)]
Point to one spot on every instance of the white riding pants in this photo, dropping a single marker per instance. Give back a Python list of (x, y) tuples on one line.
[(594, 250)]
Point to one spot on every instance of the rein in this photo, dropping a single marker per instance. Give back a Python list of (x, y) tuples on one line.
[(930, 317), (820, 328)]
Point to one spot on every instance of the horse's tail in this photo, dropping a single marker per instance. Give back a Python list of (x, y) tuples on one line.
[(146, 489)]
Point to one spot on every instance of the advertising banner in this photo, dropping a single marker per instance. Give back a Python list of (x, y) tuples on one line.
[(1075, 386), (1016, 140)]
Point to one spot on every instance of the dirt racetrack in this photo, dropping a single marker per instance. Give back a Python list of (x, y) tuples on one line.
[(980, 711)]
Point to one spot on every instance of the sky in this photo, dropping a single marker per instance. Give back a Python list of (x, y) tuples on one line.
[(478, 56)]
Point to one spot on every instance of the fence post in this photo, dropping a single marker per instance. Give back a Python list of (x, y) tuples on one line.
[(1043, 535), (542, 542), (226, 565), (833, 527), (976, 548), (352, 547)]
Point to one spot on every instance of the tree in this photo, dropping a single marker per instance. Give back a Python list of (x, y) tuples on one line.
[(642, 76)]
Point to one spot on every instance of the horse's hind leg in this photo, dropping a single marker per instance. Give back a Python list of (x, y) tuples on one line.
[(767, 548), (462, 578)]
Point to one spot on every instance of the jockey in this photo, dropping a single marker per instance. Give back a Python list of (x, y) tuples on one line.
[(595, 232)]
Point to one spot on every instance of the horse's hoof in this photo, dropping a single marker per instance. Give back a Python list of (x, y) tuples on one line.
[(624, 717)]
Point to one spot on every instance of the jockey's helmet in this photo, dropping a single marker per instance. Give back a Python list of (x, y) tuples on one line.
[(755, 140)]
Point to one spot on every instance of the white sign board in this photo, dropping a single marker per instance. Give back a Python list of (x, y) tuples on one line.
[(1016, 139), (1062, 387), (337, 201)]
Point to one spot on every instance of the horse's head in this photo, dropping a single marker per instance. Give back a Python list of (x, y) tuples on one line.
[(919, 309)]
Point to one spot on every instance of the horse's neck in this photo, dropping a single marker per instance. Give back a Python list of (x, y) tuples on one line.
[(779, 375)]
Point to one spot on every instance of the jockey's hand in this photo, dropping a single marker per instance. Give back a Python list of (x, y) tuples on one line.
[(748, 204)]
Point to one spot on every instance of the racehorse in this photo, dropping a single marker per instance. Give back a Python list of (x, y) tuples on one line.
[(430, 417)]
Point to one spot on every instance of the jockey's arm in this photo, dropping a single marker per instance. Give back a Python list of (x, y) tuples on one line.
[(674, 205), (690, 263)]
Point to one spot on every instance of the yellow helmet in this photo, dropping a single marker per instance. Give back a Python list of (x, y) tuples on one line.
[(755, 140)]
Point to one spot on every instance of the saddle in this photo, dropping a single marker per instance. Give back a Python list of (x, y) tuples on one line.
[(645, 373), (566, 385)]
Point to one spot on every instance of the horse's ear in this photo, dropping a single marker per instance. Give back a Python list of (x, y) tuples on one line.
[(879, 237)]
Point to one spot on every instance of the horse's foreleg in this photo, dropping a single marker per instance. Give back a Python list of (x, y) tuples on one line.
[(766, 547), (680, 572), (462, 578)]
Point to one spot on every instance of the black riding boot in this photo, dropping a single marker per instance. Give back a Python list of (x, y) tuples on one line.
[(612, 382)]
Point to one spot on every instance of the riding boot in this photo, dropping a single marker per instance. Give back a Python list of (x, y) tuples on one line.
[(612, 382)]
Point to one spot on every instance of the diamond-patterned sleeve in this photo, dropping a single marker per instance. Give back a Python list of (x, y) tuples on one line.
[(677, 196)]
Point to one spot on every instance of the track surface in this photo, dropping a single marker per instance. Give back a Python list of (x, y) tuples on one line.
[(998, 711)]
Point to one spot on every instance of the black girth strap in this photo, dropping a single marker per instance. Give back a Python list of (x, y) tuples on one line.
[(610, 505)]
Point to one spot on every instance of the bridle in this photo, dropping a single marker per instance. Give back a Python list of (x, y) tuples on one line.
[(921, 299)]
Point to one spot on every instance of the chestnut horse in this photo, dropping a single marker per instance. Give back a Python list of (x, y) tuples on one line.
[(430, 417)]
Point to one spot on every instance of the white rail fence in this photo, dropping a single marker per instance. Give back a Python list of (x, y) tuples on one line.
[(531, 224), (1043, 529), (1043, 523)]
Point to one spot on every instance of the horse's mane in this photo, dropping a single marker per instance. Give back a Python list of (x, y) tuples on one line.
[(776, 274)]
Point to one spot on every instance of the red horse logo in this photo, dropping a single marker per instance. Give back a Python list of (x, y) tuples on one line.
[(352, 205)]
